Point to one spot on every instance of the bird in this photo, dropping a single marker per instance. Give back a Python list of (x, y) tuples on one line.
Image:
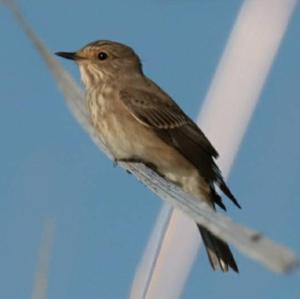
[(138, 121)]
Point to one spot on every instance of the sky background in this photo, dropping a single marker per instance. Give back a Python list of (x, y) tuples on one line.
[(50, 168)]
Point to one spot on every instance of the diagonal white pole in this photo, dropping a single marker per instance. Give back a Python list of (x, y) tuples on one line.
[(230, 102)]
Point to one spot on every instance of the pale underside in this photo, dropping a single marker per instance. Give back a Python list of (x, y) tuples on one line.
[(127, 138)]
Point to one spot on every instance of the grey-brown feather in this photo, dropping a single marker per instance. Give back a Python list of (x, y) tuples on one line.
[(176, 129), (161, 112), (219, 253)]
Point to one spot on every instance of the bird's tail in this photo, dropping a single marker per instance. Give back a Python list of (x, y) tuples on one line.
[(218, 251)]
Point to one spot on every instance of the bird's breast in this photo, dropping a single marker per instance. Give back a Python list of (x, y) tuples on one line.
[(127, 138), (115, 127)]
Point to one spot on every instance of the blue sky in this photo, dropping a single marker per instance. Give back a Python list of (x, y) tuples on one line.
[(50, 168)]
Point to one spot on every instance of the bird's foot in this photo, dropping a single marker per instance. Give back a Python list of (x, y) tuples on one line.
[(115, 163), (150, 165), (128, 160)]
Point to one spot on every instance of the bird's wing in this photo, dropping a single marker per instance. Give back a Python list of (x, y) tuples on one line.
[(160, 112), (174, 127)]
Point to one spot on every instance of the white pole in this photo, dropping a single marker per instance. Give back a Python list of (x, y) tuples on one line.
[(40, 286), (227, 110)]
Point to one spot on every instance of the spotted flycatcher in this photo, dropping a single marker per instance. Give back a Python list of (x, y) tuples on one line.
[(138, 122)]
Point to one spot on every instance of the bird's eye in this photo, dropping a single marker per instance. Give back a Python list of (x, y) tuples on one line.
[(102, 56)]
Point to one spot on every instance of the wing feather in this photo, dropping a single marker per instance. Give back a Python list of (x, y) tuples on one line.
[(158, 111), (163, 113)]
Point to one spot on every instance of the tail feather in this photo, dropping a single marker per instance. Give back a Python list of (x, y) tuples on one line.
[(228, 193), (216, 198), (218, 251)]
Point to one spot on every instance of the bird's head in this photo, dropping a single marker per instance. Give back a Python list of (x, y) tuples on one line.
[(104, 60)]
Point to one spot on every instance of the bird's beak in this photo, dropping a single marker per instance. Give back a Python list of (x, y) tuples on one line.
[(68, 55)]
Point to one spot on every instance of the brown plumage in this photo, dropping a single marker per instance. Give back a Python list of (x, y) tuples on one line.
[(138, 121)]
